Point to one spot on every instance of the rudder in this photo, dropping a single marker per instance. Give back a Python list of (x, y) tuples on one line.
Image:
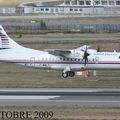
[(5, 41)]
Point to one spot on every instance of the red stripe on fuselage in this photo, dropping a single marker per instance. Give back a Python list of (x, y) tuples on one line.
[(3, 37)]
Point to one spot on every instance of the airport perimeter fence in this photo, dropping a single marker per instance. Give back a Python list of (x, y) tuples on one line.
[(81, 28), (87, 27)]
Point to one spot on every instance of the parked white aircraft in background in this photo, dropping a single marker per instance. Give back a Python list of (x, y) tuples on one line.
[(67, 61)]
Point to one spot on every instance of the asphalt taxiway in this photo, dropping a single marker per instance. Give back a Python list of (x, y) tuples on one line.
[(59, 97)]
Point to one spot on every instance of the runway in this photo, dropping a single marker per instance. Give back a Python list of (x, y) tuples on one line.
[(59, 97)]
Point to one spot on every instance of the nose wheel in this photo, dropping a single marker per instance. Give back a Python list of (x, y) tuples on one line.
[(68, 73)]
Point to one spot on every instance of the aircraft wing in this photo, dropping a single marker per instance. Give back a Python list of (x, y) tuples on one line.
[(62, 53), (66, 53)]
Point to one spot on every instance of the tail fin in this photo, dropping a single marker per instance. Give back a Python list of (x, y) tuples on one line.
[(5, 41)]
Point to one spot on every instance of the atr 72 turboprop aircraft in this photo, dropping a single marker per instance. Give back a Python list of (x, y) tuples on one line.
[(67, 61)]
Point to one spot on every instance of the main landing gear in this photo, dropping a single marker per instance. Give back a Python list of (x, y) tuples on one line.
[(68, 73)]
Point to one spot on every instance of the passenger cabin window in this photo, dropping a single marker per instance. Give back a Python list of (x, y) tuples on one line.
[(47, 9), (67, 59), (42, 9)]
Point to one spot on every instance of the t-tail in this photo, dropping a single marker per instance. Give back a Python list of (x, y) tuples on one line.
[(5, 41)]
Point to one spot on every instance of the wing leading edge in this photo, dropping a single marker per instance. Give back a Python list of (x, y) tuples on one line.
[(66, 53)]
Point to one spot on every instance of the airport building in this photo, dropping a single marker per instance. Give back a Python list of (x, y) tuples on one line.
[(66, 7), (75, 7), (92, 2), (7, 10)]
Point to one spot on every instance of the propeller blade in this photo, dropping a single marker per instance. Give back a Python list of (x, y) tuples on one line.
[(85, 57)]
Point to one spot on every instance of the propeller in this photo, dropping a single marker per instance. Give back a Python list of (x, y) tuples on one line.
[(85, 57)]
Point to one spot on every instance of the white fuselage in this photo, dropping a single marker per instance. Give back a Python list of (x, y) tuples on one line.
[(44, 60), (104, 60)]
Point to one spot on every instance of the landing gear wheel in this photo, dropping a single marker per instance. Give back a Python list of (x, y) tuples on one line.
[(71, 74), (65, 75)]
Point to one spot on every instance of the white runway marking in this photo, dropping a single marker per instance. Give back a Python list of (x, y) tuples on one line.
[(92, 101), (21, 97)]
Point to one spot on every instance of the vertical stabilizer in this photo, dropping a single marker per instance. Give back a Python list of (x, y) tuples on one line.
[(5, 41)]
